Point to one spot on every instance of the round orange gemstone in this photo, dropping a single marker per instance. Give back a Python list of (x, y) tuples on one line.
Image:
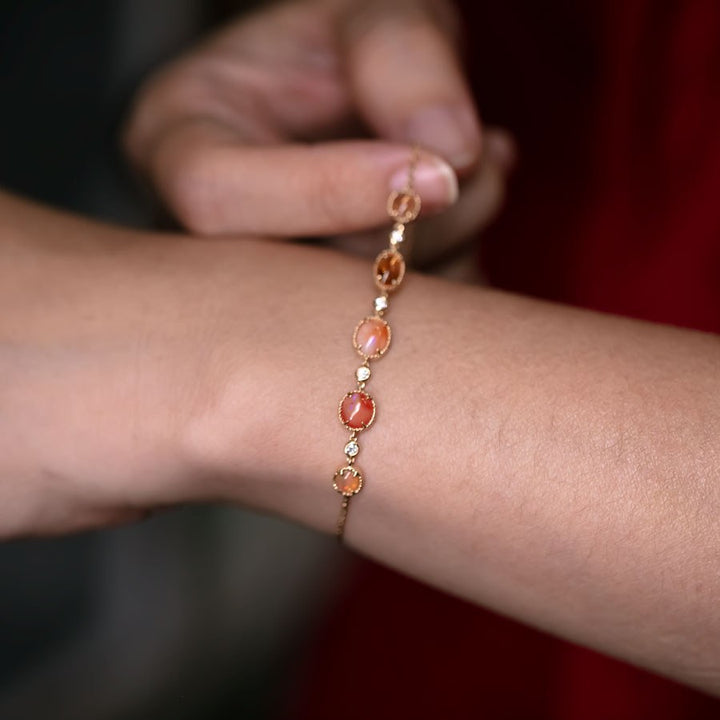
[(347, 481), (389, 269), (357, 410), (372, 337)]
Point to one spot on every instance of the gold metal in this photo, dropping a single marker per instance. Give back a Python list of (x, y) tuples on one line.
[(414, 158), (379, 312), (403, 206), (366, 365), (357, 475), (397, 235), (372, 417), (380, 352), (394, 284), (340, 531)]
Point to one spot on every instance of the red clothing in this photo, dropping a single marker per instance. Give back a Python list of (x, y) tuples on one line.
[(615, 206)]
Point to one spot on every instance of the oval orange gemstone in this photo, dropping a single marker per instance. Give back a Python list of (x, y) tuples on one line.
[(357, 410), (404, 205), (372, 337), (348, 481), (389, 269)]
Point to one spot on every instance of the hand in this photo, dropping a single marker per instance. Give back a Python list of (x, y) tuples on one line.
[(241, 135)]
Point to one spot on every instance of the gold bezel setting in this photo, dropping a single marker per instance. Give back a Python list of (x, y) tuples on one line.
[(372, 418), (356, 473), (379, 353), (403, 206), (385, 287)]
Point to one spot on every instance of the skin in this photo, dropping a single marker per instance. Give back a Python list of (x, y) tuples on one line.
[(247, 133), (564, 473)]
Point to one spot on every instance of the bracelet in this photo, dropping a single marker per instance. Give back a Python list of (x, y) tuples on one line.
[(371, 340)]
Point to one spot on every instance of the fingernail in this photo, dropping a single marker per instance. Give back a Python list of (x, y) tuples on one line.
[(452, 132), (434, 180)]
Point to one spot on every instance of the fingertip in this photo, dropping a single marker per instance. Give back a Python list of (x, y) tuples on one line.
[(434, 180), (451, 131), (408, 80)]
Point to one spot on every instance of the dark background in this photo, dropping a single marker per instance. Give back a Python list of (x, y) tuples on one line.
[(206, 613)]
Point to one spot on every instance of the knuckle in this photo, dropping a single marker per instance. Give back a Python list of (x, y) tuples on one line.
[(145, 115), (167, 96)]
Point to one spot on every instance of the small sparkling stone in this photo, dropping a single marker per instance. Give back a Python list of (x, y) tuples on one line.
[(362, 373), (397, 235), (352, 449), (381, 303)]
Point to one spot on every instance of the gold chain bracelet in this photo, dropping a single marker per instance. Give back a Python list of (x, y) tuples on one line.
[(371, 340)]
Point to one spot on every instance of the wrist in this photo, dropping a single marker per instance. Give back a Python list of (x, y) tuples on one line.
[(261, 432)]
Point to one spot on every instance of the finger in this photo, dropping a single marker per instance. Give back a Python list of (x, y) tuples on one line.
[(480, 203), (271, 76), (407, 78), (217, 185), (438, 240)]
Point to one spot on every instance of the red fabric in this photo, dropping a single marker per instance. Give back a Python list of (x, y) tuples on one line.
[(615, 206), (396, 649)]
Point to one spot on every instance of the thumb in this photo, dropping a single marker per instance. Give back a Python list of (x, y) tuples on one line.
[(407, 78)]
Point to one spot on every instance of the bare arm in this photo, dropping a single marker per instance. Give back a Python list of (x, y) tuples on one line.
[(556, 465)]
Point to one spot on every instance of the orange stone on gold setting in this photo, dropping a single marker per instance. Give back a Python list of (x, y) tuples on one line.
[(348, 481), (372, 337), (389, 269), (404, 205), (357, 410)]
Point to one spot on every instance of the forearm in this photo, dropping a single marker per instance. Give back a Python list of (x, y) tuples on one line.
[(88, 414), (556, 465)]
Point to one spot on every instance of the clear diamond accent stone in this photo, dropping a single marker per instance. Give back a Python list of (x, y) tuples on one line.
[(397, 235), (352, 449), (381, 303), (362, 373)]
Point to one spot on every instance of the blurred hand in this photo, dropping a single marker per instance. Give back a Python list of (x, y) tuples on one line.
[(242, 134)]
